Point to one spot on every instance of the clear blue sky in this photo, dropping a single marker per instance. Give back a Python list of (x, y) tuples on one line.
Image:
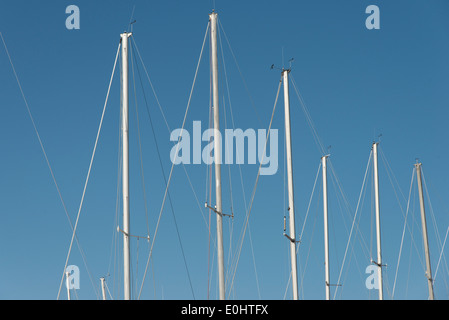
[(357, 84)]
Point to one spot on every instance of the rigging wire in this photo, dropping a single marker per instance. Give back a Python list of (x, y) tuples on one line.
[(313, 229), (362, 243), (254, 189), (173, 163), (365, 248), (130, 23), (388, 167), (332, 222), (441, 254), (151, 83), (348, 207), (353, 223), (240, 72), (310, 201), (403, 234), (89, 170), (46, 158), (309, 118), (418, 250), (165, 180), (411, 247), (237, 153), (169, 130), (231, 221)]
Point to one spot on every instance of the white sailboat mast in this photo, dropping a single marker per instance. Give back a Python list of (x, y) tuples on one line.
[(376, 199), (103, 288), (217, 154), (424, 232), (291, 209), (326, 229), (125, 168), (67, 282)]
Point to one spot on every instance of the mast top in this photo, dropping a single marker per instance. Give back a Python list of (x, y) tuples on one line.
[(126, 34), (213, 14)]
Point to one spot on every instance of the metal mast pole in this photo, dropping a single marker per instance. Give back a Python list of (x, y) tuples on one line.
[(217, 153), (291, 204), (125, 179), (376, 198), (67, 274), (424, 231), (326, 230), (103, 289)]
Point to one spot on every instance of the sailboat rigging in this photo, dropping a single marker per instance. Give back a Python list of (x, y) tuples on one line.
[(226, 274)]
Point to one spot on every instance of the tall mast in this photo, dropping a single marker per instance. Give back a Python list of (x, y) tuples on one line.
[(217, 153), (291, 204), (376, 199), (125, 169), (424, 231), (103, 288), (326, 230)]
